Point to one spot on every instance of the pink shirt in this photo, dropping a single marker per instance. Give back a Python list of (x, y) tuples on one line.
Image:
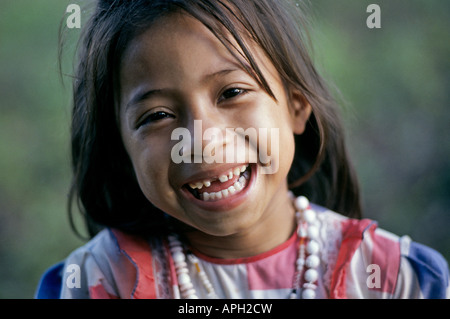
[(117, 265)]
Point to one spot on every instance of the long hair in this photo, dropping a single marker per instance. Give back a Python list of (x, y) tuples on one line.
[(104, 185)]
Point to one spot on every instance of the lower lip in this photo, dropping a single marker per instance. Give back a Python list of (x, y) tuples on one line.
[(229, 202)]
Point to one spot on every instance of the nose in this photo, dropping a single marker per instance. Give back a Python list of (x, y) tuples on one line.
[(208, 129)]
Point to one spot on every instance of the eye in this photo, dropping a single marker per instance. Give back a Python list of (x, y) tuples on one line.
[(154, 117), (231, 93)]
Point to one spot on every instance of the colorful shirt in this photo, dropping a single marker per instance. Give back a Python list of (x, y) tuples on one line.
[(358, 260)]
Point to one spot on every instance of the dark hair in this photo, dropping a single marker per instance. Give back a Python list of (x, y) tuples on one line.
[(104, 184)]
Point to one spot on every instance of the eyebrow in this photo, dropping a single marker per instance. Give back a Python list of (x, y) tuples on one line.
[(139, 97), (142, 96)]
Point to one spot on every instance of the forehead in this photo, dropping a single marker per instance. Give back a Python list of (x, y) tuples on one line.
[(173, 43), (177, 50)]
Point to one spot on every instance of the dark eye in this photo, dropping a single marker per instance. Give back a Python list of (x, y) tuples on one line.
[(154, 117), (231, 93)]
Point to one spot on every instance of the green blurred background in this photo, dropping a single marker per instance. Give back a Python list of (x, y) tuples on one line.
[(395, 81)]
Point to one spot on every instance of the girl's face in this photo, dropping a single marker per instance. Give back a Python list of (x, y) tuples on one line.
[(177, 72)]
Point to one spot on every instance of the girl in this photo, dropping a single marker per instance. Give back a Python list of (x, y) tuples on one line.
[(202, 228)]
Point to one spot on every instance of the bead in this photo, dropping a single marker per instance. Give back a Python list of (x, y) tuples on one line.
[(183, 279), (311, 275), (174, 243), (309, 285), (302, 233), (309, 216), (308, 294), (182, 270), (312, 247), (312, 261), (313, 232), (301, 250), (193, 259), (300, 262), (301, 256), (204, 278), (180, 265), (308, 231), (188, 293), (209, 286), (187, 286), (212, 295), (178, 257), (301, 203), (176, 249)]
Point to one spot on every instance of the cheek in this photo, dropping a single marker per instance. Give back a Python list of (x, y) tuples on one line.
[(280, 140), (145, 173), (279, 152), (150, 169), (275, 143)]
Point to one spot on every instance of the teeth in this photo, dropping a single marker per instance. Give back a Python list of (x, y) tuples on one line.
[(235, 188), (225, 193), (200, 185), (222, 178)]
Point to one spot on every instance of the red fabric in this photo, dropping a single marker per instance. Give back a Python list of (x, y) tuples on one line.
[(352, 235), (99, 292), (139, 252), (260, 275), (386, 254)]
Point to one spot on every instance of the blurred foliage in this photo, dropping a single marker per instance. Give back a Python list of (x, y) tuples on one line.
[(394, 80)]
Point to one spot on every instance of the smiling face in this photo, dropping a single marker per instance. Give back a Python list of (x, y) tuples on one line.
[(177, 72)]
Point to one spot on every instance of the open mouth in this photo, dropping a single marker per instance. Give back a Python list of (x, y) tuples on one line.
[(219, 187)]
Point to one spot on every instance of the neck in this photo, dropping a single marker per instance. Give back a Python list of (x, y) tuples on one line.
[(276, 225)]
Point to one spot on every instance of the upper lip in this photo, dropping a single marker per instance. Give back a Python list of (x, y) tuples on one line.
[(211, 173)]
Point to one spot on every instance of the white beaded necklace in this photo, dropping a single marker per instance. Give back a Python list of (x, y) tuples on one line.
[(308, 257)]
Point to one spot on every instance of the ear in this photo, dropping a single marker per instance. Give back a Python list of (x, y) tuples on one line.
[(300, 110)]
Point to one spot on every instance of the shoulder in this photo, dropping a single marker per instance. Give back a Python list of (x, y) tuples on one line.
[(110, 265), (87, 272), (104, 243), (371, 262), (100, 250), (425, 269)]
